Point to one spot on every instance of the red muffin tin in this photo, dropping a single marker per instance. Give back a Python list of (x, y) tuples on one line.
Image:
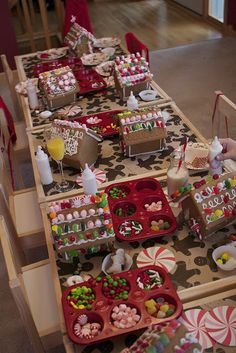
[(74, 63), (102, 307), (107, 126), (136, 194)]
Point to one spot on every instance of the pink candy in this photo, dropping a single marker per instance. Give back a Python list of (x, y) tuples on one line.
[(124, 316), (154, 206)]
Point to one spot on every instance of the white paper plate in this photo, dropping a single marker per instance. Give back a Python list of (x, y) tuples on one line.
[(52, 54), (94, 59), (106, 42), (104, 69), (196, 156)]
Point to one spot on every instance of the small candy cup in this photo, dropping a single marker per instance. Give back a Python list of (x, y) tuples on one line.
[(125, 316), (161, 300), (92, 318), (144, 277), (156, 219), (124, 209), (153, 199), (146, 185)]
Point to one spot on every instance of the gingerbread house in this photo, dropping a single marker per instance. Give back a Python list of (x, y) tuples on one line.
[(131, 73), (81, 143), (59, 87), (79, 40), (80, 222), (210, 204), (142, 131)]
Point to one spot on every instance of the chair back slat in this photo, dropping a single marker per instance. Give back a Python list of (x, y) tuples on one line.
[(225, 116), (6, 169), (77, 9), (134, 45)]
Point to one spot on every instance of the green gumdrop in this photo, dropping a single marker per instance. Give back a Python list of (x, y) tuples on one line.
[(81, 236), (75, 227), (59, 231), (65, 241), (166, 225), (164, 339)]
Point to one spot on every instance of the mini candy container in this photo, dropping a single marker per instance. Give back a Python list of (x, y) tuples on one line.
[(89, 80), (118, 313), (140, 210), (105, 124), (80, 221)]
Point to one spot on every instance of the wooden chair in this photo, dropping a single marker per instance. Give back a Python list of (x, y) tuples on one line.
[(19, 148), (23, 204), (224, 114), (134, 45), (31, 285), (78, 9), (12, 79)]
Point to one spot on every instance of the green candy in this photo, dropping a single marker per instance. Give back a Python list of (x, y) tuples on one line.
[(98, 279), (59, 231), (164, 339), (75, 228), (66, 228), (81, 236)]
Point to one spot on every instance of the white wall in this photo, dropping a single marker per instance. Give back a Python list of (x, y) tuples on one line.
[(194, 5)]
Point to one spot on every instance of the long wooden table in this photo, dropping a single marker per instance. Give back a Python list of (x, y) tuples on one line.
[(196, 277)]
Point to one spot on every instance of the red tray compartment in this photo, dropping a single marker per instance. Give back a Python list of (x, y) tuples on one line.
[(102, 307), (74, 63), (131, 220), (89, 80), (107, 123)]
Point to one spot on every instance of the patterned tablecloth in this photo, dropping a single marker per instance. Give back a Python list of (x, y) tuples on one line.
[(103, 100), (113, 162), (194, 266)]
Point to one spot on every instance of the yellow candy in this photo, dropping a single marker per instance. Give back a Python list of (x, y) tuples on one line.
[(74, 306), (54, 228), (225, 256), (81, 306), (151, 311), (233, 182), (164, 308), (218, 213), (219, 261), (150, 303)]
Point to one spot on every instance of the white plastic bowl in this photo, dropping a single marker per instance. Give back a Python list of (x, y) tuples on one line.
[(148, 95), (107, 261), (231, 263)]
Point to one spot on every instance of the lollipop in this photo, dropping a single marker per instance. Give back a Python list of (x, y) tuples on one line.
[(194, 321), (156, 255), (221, 325)]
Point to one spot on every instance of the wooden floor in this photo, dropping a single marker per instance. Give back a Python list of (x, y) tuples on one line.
[(158, 23)]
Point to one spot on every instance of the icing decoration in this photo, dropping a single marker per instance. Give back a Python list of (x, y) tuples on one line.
[(80, 220)]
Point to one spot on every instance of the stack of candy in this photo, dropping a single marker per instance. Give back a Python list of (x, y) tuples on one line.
[(81, 297), (124, 316), (149, 279), (223, 258), (115, 287), (159, 225), (84, 329), (170, 338), (159, 307), (130, 228), (154, 206), (117, 193), (132, 69), (125, 211)]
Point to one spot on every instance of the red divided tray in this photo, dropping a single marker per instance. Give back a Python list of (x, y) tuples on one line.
[(74, 63), (89, 80), (105, 123), (131, 219), (102, 307)]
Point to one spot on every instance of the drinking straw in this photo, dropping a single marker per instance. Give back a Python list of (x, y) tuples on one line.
[(182, 158)]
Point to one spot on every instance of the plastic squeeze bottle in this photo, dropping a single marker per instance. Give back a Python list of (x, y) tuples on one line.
[(32, 95), (132, 102), (89, 181), (215, 166), (43, 167)]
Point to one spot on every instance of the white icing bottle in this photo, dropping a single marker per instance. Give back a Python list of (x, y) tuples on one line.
[(43, 167), (132, 102), (89, 181), (32, 95), (215, 166)]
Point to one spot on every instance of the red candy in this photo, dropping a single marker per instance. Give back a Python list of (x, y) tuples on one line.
[(215, 176), (226, 199), (216, 190)]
